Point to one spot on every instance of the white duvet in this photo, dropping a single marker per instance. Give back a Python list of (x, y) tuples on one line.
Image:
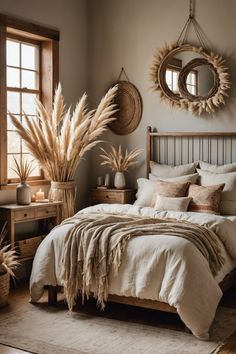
[(164, 268)]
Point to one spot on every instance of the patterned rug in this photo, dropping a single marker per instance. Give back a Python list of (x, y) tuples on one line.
[(120, 329)]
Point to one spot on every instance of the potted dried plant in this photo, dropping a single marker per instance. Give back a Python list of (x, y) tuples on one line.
[(23, 169), (8, 263), (119, 163), (58, 140)]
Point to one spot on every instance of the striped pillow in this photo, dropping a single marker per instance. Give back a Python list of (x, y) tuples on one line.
[(205, 199)]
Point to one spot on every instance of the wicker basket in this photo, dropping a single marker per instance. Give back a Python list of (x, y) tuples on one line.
[(27, 248), (4, 288)]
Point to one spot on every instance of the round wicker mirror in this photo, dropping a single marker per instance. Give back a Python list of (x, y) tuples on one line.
[(188, 77)]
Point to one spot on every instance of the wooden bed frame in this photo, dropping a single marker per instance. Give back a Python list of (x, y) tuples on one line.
[(207, 146)]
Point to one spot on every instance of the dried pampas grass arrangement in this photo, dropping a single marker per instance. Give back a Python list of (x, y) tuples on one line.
[(59, 140), (117, 161)]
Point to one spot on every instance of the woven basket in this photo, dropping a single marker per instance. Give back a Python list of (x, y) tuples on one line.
[(4, 288), (28, 248)]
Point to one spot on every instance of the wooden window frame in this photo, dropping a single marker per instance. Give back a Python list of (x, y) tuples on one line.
[(49, 66)]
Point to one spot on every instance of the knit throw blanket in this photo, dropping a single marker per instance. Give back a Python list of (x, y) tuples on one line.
[(95, 244)]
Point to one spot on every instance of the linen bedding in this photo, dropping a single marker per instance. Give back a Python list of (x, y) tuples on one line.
[(164, 268)]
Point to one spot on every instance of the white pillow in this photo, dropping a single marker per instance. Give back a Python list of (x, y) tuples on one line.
[(231, 167), (182, 179), (228, 199), (160, 170), (168, 203)]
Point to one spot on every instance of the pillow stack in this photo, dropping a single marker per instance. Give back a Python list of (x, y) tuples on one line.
[(175, 188), (167, 187)]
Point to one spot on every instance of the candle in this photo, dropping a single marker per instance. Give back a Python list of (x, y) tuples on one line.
[(33, 198), (40, 195)]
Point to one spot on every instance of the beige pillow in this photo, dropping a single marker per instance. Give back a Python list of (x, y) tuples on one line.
[(231, 167), (205, 199), (228, 198), (169, 189), (168, 203), (182, 179), (160, 170), (147, 191)]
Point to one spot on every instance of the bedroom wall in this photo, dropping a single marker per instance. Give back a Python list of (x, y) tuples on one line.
[(127, 33), (70, 18)]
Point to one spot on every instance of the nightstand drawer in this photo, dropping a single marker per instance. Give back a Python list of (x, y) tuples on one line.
[(107, 197), (47, 211), (24, 214), (119, 196)]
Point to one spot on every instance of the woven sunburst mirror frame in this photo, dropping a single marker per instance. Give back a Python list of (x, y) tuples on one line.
[(195, 104)]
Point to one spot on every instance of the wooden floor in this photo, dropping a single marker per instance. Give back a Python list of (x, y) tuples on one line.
[(20, 296)]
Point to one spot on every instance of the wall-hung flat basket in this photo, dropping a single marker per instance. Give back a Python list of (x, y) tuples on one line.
[(129, 103)]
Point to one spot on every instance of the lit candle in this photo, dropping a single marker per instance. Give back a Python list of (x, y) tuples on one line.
[(40, 195), (33, 198)]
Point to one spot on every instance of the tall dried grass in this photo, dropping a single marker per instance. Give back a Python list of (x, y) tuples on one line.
[(117, 161), (60, 139), (22, 168), (8, 257)]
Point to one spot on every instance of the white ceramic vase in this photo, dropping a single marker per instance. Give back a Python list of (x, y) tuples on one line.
[(119, 181)]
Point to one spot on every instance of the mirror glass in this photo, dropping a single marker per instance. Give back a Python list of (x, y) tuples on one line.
[(199, 81)]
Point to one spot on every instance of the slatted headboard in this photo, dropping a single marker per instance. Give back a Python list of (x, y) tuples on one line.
[(175, 148)]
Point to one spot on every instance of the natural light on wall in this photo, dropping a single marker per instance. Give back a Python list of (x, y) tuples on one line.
[(23, 84)]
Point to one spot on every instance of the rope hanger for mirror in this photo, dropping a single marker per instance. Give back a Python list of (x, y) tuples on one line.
[(124, 73), (192, 22)]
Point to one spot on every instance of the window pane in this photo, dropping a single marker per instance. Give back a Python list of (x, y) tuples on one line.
[(13, 102), (168, 77), (30, 117), (10, 126), (13, 143), (34, 163), (28, 79), (29, 57), (175, 81), (11, 164), (13, 53), (28, 105), (13, 77)]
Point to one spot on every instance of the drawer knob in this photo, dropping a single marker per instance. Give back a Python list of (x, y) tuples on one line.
[(25, 215), (107, 196), (47, 211)]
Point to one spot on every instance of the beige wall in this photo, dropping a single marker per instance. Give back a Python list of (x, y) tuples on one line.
[(70, 18), (127, 32)]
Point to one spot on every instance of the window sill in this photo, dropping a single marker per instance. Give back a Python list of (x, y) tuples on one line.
[(12, 186)]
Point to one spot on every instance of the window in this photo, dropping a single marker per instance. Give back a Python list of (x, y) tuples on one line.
[(172, 75), (23, 85), (28, 69)]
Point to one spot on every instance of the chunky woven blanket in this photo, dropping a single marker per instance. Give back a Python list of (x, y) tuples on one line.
[(95, 244)]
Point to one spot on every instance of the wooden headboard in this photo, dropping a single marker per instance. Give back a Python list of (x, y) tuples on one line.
[(175, 148)]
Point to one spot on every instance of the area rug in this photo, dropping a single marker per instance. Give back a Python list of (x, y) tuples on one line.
[(43, 329)]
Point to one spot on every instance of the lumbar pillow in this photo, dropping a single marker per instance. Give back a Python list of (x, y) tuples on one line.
[(230, 167), (168, 203), (148, 190), (182, 179), (228, 199), (205, 199), (160, 170)]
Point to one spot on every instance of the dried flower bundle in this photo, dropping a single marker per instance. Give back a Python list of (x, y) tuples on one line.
[(23, 168), (8, 257), (117, 161), (59, 140)]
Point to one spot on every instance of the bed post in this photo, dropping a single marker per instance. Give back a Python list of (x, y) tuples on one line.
[(52, 295), (148, 149)]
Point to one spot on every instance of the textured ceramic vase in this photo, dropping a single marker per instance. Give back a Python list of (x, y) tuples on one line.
[(23, 194), (119, 181)]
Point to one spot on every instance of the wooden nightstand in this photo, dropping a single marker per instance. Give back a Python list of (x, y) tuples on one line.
[(110, 196), (48, 215)]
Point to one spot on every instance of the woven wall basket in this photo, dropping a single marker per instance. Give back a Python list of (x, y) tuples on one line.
[(129, 103)]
